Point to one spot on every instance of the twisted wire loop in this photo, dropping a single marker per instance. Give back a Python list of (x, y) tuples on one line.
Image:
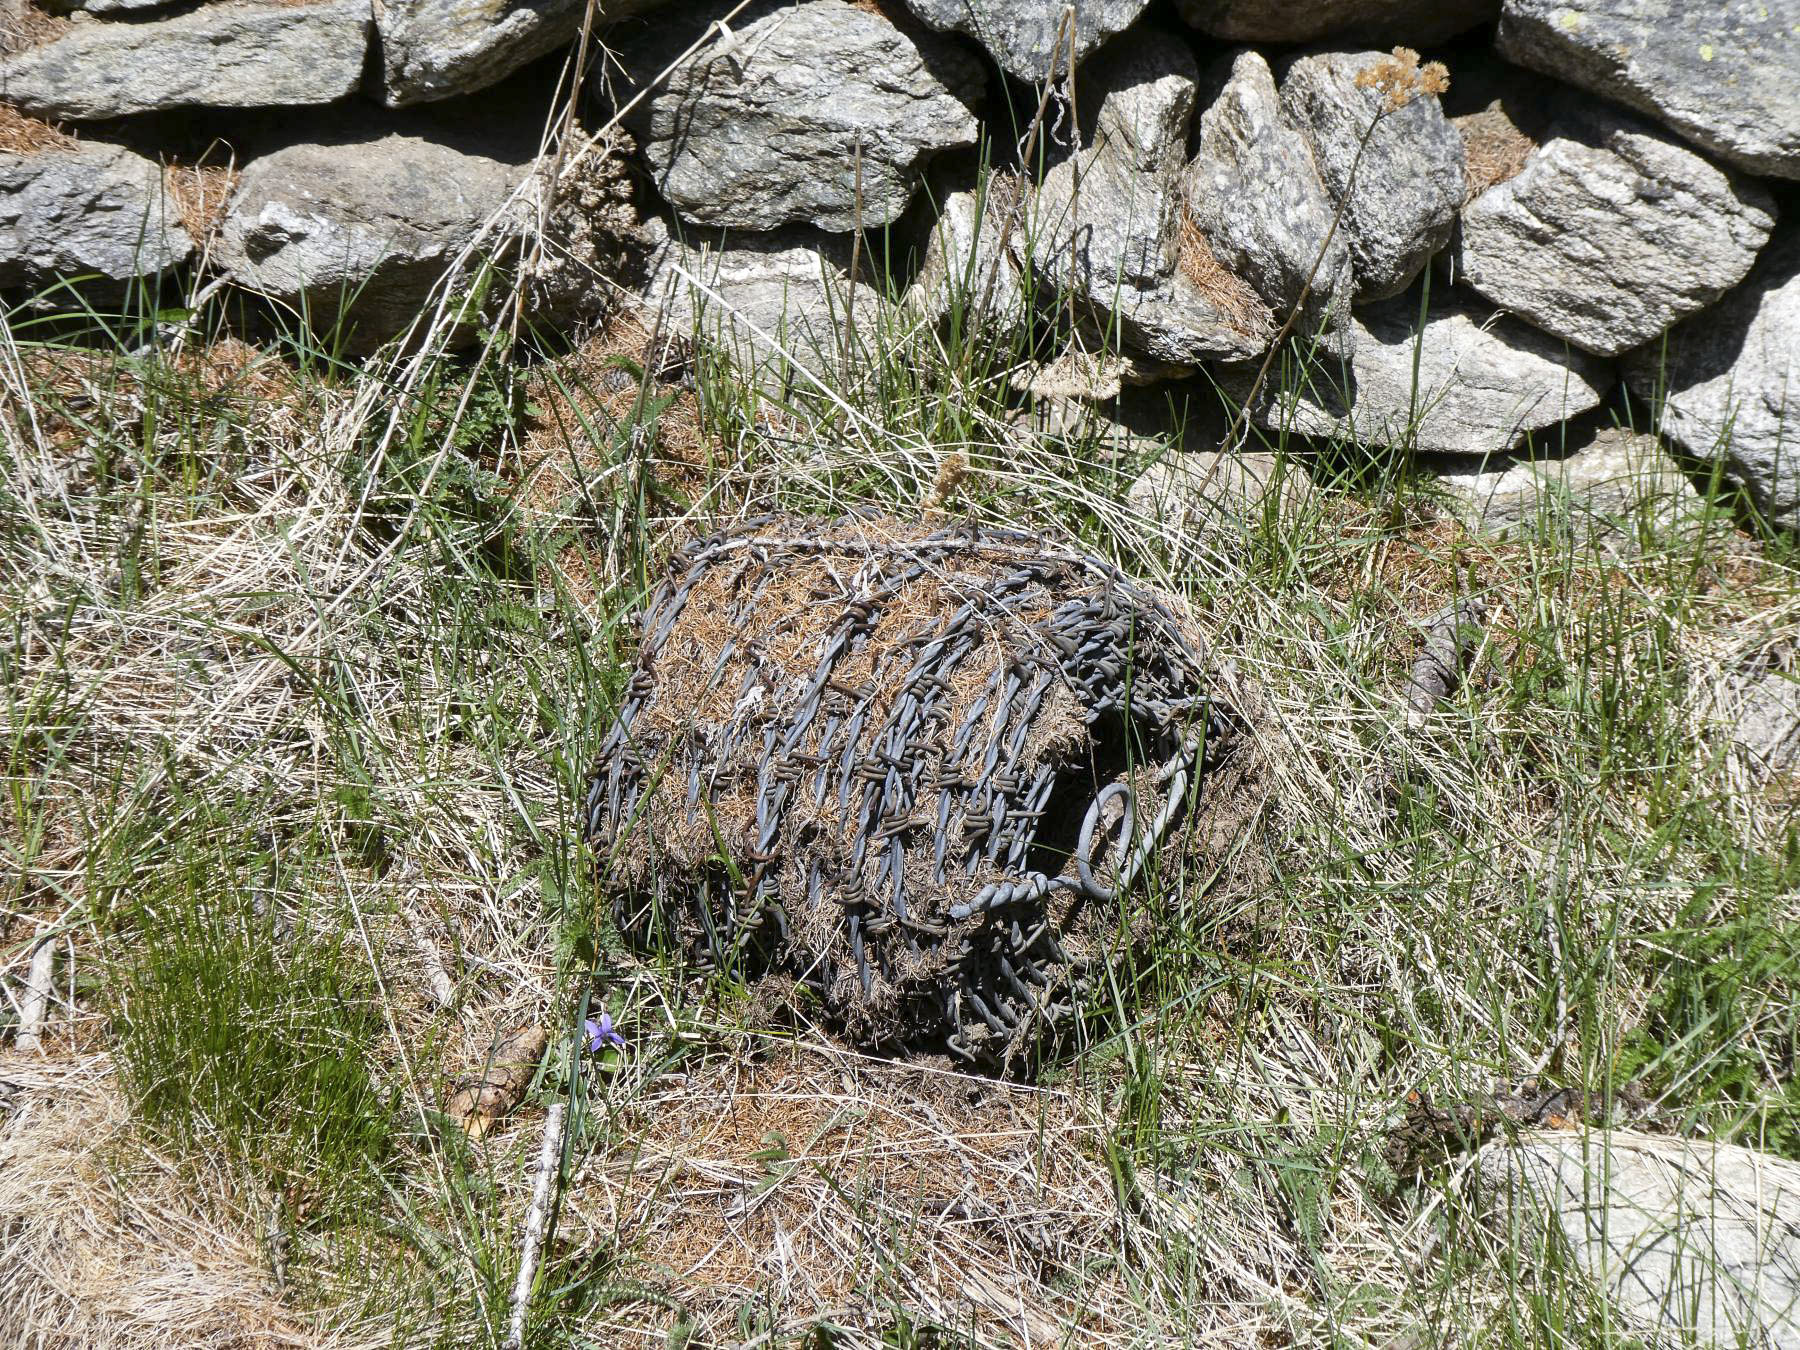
[(917, 770)]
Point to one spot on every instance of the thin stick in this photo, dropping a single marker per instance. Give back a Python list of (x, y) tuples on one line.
[(856, 234), (437, 979), (548, 1165), (37, 996)]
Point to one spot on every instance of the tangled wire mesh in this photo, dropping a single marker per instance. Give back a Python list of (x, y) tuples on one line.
[(917, 770)]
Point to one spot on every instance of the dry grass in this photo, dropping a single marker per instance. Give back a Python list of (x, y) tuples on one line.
[(25, 24), (1495, 147), (996, 1209), (580, 401), (1225, 290), (200, 193), (808, 1182), (110, 1242), (22, 135)]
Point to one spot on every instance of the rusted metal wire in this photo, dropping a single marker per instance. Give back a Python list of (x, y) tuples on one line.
[(918, 770)]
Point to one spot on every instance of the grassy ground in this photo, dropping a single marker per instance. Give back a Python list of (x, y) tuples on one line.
[(305, 664)]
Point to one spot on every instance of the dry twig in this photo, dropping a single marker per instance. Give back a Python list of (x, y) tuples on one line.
[(1449, 638), (548, 1167), (37, 996)]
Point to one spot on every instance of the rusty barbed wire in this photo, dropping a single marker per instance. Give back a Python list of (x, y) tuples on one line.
[(917, 770)]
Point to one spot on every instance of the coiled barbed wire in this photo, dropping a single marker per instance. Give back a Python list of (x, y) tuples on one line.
[(918, 770)]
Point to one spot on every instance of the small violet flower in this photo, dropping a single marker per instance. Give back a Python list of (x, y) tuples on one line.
[(601, 1033)]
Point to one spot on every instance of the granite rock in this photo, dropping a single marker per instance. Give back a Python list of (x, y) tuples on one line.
[(438, 49), (967, 260), (1484, 382), (766, 128), (85, 209), (109, 6), (1725, 75), (364, 230), (758, 296), (1024, 36), (1200, 493), (1401, 196), (434, 49), (1691, 1239), (1255, 192), (1109, 224), (242, 54), (1616, 485), (1610, 233), (1730, 382)]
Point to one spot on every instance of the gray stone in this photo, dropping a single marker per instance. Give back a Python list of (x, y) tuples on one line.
[(1401, 197), (1619, 485), (968, 262), (1610, 233), (110, 6), (236, 55), (1202, 493), (364, 230), (1730, 380), (1763, 703), (760, 297), (88, 208), (1024, 36), (1108, 223), (437, 49), (1483, 382), (1118, 405), (1420, 23), (433, 49), (1092, 377), (1689, 1238), (764, 129), (1255, 193), (1726, 75)]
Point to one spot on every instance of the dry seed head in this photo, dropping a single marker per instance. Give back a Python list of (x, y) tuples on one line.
[(1400, 78), (952, 470)]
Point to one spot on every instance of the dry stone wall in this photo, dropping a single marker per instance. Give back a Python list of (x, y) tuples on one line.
[(1606, 189)]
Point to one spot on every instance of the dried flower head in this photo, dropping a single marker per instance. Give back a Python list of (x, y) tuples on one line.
[(1401, 79), (952, 471)]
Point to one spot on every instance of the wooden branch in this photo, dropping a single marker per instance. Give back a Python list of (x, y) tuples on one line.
[(1449, 638), (37, 996), (549, 1164), (437, 979)]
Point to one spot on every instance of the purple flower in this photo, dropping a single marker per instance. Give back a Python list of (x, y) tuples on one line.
[(601, 1034)]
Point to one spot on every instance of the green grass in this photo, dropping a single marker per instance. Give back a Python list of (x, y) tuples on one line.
[(239, 1027), (300, 665)]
